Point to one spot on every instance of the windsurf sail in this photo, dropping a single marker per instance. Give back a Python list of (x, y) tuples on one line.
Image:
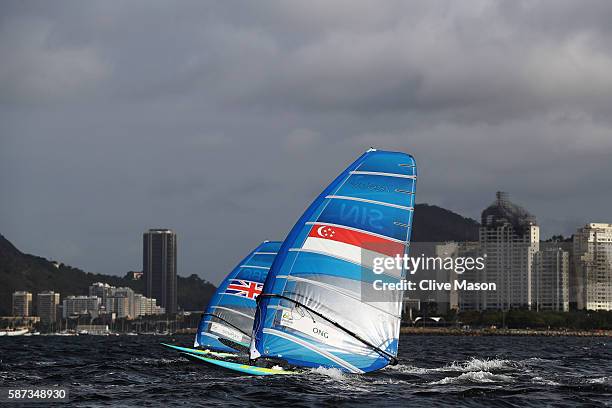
[(228, 320), (316, 308)]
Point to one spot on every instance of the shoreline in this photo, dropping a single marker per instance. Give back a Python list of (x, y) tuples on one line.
[(448, 331)]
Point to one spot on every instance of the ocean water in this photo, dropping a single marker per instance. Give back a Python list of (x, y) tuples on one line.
[(435, 371)]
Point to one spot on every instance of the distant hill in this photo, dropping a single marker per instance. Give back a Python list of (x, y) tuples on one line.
[(19, 271), (436, 224)]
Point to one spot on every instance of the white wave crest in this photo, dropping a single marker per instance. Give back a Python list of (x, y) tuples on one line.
[(544, 381), (473, 364), (474, 377), (535, 360), (408, 369), (330, 372), (602, 380)]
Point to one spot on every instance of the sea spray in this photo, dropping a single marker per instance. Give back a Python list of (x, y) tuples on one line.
[(474, 377)]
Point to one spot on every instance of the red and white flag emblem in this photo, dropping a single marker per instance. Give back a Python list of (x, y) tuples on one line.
[(355, 246)]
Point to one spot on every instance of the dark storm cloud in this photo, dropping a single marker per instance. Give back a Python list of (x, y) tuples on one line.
[(223, 120)]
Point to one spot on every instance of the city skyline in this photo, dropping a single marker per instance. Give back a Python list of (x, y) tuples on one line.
[(101, 299), (528, 273), (139, 271)]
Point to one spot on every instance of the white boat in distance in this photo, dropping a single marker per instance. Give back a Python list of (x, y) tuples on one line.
[(16, 332)]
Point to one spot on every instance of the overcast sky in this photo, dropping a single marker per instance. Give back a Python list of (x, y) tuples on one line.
[(223, 120)]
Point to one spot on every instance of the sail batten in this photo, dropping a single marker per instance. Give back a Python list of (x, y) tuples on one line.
[(314, 310), (338, 290), (340, 197)]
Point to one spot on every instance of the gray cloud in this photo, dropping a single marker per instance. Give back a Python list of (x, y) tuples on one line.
[(223, 120)]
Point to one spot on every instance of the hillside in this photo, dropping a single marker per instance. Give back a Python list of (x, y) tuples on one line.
[(436, 224), (19, 271)]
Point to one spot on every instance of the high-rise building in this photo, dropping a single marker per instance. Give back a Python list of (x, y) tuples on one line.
[(81, 305), (469, 299), (450, 299), (593, 267), (101, 290), (433, 302), (48, 303), (123, 301), (22, 304), (159, 267), (139, 305), (551, 278), (127, 293), (144, 306), (509, 237), (120, 305)]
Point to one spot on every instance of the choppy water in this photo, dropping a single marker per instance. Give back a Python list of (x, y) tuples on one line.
[(434, 371)]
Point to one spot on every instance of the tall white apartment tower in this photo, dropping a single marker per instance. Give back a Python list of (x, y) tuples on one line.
[(48, 302), (509, 237), (551, 278), (22, 304), (593, 267)]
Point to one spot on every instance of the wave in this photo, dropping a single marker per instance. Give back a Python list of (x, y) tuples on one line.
[(408, 369), (531, 360), (602, 380), (479, 377), (544, 381), (155, 361), (475, 364), (330, 372), (471, 365)]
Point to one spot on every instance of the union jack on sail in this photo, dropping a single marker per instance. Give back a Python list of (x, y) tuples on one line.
[(244, 288)]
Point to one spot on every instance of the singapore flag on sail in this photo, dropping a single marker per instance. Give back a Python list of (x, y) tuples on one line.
[(352, 245)]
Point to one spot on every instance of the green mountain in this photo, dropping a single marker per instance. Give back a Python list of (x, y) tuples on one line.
[(19, 271), (436, 224)]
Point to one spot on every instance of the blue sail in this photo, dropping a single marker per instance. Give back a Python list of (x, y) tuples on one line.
[(231, 310), (316, 309)]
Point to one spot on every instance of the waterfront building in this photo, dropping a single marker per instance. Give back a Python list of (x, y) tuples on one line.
[(592, 283), (144, 306), (81, 305), (470, 300), (551, 278), (22, 304), (159, 267), (101, 290), (444, 300), (509, 237), (47, 303), (129, 294), (119, 305), (123, 301), (140, 305)]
